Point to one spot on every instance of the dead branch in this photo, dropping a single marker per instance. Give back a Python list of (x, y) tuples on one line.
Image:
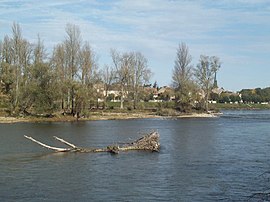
[(47, 146), (65, 142), (148, 142)]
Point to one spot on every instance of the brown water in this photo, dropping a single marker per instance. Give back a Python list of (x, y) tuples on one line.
[(209, 159)]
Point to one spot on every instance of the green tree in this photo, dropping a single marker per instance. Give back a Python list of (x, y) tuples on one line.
[(41, 92), (246, 95), (58, 64), (234, 98), (75, 64), (224, 98), (15, 63), (7, 77)]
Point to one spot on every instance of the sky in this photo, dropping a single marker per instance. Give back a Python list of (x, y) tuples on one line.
[(237, 31)]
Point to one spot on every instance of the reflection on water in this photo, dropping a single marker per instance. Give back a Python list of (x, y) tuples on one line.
[(200, 160)]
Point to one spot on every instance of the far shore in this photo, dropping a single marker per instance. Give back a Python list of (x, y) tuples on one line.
[(104, 116)]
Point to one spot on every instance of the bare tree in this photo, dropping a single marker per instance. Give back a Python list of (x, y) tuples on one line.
[(1, 53), (16, 53), (72, 49), (39, 52), (182, 76), (88, 77), (25, 58), (182, 71), (204, 73), (6, 50), (88, 64), (108, 77), (21, 51), (140, 74), (13, 64), (122, 64), (76, 64), (131, 72), (73, 68)]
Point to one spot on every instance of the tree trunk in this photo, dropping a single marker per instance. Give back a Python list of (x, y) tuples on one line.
[(206, 101), (135, 101), (68, 100), (62, 103), (122, 98), (72, 101)]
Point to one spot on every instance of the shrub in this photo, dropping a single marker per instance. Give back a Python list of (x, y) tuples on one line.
[(167, 112)]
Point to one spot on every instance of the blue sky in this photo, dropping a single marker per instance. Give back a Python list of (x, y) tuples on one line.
[(237, 31)]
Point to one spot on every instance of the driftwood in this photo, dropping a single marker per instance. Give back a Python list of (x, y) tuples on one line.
[(148, 142)]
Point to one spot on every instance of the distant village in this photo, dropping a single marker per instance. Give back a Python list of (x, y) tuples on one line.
[(155, 94)]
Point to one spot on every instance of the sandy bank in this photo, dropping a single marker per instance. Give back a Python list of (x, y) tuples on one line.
[(199, 115), (12, 120), (105, 116)]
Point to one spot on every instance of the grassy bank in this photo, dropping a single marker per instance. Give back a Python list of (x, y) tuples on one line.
[(228, 106), (217, 106), (112, 114)]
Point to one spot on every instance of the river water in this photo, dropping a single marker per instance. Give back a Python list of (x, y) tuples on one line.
[(203, 159)]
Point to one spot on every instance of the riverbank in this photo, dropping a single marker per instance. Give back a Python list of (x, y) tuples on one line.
[(12, 119), (239, 106), (104, 116), (151, 110)]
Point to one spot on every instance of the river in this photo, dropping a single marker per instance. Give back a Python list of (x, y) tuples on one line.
[(201, 159)]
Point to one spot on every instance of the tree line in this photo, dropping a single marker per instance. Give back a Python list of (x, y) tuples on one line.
[(256, 95), (68, 79)]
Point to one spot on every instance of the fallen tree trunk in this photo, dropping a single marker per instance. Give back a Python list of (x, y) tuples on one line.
[(148, 142), (47, 146)]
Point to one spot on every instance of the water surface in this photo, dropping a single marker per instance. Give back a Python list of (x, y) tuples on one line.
[(206, 159)]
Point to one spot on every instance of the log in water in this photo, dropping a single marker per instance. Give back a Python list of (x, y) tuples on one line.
[(148, 142)]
